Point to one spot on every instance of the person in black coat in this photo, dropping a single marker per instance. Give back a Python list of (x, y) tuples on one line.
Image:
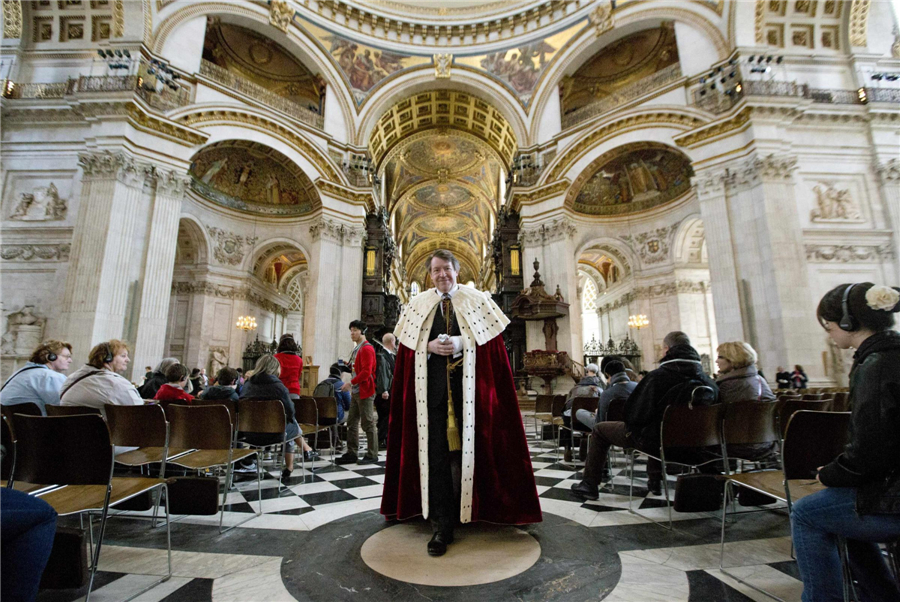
[(679, 373), (265, 385), (157, 379), (861, 499), (783, 378), (225, 387)]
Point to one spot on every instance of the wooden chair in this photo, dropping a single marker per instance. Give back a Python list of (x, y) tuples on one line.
[(264, 418), (230, 405), (208, 430), (795, 405), (27, 408), (307, 411), (841, 402), (72, 410), (683, 428), (84, 472), (748, 423), (812, 439), (579, 403), (326, 407), (543, 413)]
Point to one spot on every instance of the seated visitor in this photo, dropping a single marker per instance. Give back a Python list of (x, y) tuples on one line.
[(196, 379), (860, 503), (225, 387), (173, 390), (100, 380), (40, 380), (739, 380), (26, 540), (619, 386), (679, 373), (265, 385), (333, 384), (157, 379), (288, 356), (589, 386)]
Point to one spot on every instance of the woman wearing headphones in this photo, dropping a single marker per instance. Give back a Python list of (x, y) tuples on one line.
[(861, 501), (99, 381), (40, 380)]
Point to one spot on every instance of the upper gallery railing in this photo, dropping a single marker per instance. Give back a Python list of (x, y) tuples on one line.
[(624, 95), (257, 92), (715, 102)]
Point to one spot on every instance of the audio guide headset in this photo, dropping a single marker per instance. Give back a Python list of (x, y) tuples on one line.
[(109, 356), (51, 357), (848, 322)]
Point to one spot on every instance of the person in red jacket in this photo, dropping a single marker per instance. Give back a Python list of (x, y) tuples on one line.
[(173, 390), (288, 356), (362, 398)]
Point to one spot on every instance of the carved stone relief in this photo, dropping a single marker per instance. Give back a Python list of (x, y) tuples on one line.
[(651, 246), (211, 289), (328, 229), (834, 204), (230, 246), (557, 229), (24, 332), (848, 253), (38, 252), (41, 204), (442, 64)]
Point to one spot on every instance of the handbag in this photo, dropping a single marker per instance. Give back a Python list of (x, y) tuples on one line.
[(67, 566), (697, 493), (194, 495)]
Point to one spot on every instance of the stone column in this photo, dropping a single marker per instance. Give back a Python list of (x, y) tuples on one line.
[(156, 281), (770, 266), (335, 289), (724, 273), (889, 181), (96, 294)]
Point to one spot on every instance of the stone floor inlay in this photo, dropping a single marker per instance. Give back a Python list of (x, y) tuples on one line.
[(482, 553)]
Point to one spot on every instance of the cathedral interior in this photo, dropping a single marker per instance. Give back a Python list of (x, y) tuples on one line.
[(172, 167)]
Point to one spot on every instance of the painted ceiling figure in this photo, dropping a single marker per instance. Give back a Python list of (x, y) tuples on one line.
[(456, 445)]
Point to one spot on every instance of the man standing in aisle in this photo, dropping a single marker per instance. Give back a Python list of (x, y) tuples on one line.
[(362, 398), (457, 449), (383, 378)]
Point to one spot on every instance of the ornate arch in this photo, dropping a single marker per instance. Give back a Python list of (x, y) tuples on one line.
[(298, 40), (647, 118), (421, 80), (615, 249), (206, 116), (627, 19), (263, 252), (195, 230), (689, 244)]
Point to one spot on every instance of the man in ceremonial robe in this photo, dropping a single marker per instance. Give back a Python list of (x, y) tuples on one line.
[(456, 445)]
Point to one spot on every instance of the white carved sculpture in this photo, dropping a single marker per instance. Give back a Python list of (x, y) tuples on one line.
[(41, 204), (24, 332), (833, 204)]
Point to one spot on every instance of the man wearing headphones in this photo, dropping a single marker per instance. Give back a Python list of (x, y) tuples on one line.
[(40, 380), (100, 380)]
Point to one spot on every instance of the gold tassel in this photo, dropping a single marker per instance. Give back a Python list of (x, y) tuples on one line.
[(453, 439)]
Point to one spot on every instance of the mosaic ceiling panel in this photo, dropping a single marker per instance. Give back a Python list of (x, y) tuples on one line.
[(365, 67), (252, 177), (620, 64), (635, 177), (257, 58)]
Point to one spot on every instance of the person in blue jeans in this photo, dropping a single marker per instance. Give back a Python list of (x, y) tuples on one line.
[(26, 538), (861, 501)]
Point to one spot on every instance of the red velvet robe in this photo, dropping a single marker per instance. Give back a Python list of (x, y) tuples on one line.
[(504, 489)]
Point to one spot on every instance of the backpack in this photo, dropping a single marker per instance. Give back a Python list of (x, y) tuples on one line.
[(324, 389)]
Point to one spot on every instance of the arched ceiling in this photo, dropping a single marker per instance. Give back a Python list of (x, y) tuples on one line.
[(279, 262), (629, 179), (442, 156), (252, 177)]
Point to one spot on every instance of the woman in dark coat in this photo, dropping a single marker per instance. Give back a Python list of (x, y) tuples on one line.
[(264, 385), (861, 501)]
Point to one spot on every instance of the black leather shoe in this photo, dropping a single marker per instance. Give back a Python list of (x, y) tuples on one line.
[(347, 458), (654, 486), (439, 542), (586, 491)]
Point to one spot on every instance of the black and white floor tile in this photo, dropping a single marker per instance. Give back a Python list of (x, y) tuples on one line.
[(305, 545)]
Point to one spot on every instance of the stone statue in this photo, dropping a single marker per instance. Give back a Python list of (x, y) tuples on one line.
[(42, 204), (833, 204), (218, 359), (273, 190), (24, 332)]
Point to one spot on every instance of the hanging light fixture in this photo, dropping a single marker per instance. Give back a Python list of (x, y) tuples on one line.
[(246, 323), (638, 321)]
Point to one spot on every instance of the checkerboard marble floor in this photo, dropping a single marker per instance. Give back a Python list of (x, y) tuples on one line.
[(253, 562)]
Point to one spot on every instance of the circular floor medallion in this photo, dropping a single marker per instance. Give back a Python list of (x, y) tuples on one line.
[(482, 553)]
